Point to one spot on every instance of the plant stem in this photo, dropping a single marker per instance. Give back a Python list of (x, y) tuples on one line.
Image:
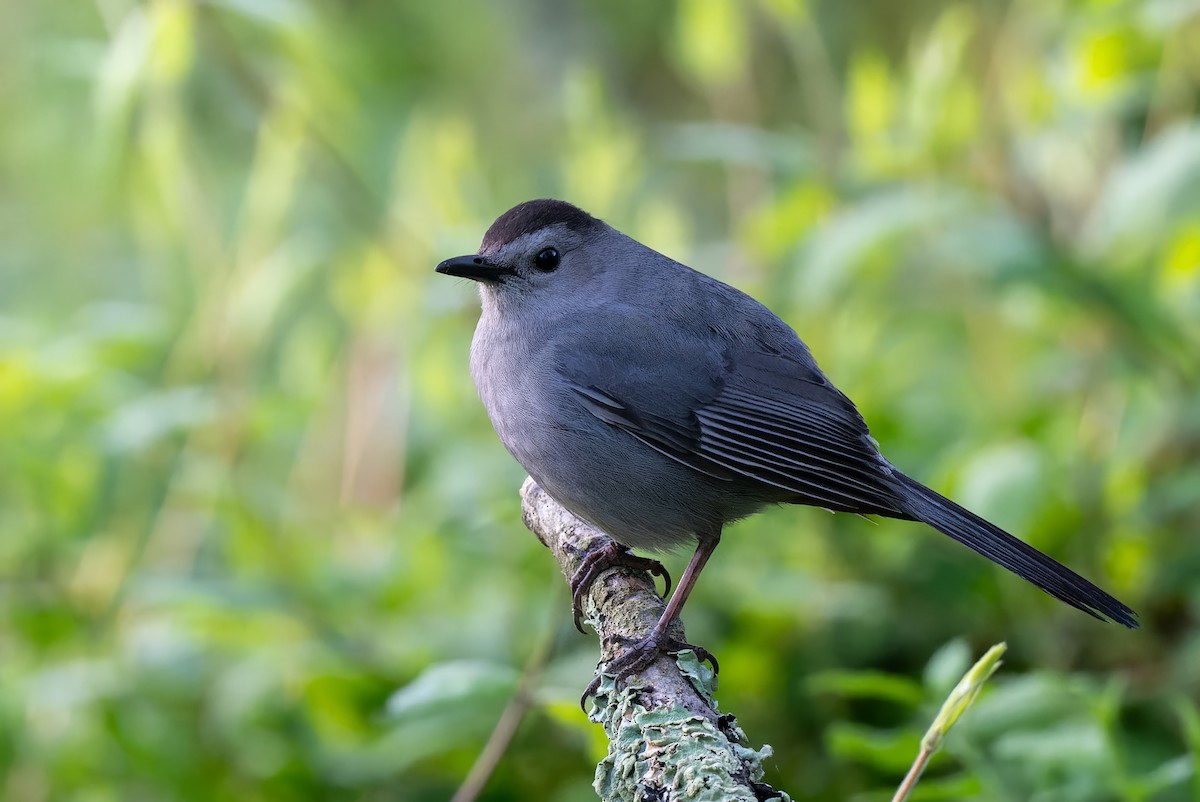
[(914, 774)]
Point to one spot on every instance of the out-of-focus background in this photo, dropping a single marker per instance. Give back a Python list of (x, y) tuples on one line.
[(258, 540)]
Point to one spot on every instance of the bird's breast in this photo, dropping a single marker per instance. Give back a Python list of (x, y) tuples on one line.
[(598, 471)]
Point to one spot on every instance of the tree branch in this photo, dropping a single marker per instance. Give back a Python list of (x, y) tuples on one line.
[(666, 738)]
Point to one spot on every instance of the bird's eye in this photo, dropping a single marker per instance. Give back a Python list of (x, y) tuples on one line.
[(546, 260)]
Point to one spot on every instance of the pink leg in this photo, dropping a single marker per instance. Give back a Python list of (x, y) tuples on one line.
[(643, 652)]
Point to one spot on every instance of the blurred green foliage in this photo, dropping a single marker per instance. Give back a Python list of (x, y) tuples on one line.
[(259, 542)]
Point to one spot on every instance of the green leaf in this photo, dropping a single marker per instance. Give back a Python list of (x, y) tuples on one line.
[(946, 666), (139, 424), (1148, 195), (868, 685), (888, 751), (450, 706), (452, 685), (963, 696)]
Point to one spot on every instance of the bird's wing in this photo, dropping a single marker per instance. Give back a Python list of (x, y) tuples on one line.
[(750, 413), (754, 408)]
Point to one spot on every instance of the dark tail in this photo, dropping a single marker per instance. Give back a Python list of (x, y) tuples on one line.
[(1003, 549)]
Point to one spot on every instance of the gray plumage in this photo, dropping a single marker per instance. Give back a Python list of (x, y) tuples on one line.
[(660, 404)]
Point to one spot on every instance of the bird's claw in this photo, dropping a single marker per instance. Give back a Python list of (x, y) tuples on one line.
[(640, 654), (598, 560)]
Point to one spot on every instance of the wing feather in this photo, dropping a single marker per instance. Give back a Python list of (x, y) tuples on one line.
[(822, 460), (793, 457)]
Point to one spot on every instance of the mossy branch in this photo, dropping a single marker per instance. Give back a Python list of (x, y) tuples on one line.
[(667, 740)]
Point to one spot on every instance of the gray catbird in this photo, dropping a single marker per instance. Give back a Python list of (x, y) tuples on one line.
[(660, 404)]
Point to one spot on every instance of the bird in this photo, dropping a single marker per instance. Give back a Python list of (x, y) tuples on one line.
[(660, 405)]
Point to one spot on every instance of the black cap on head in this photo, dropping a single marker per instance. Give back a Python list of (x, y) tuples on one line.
[(530, 216)]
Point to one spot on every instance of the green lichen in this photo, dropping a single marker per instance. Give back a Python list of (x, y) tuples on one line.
[(702, 678), (671, 753)]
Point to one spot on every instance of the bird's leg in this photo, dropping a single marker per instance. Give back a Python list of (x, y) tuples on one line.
[(643, 652), (599, 560)]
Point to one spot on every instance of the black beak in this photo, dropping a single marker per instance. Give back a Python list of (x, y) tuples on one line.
[(473, 267)]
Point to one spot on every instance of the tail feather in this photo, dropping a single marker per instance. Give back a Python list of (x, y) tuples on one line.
[(1017, 556)]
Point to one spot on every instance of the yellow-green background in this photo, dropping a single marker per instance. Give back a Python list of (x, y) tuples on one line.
[(258, 540)]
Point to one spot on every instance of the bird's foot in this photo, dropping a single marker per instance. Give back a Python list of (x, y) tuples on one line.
[(598, 560), (639, 655)]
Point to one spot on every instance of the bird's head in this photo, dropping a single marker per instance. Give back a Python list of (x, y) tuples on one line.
[(540, 252)]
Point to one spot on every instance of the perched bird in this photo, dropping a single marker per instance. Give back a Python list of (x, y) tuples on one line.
[(660, 404)]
